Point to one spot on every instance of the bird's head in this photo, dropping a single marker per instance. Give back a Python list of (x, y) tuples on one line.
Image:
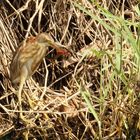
[(46, 40)]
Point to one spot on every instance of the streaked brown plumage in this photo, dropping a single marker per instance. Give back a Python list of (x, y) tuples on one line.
[(27, 59), (29, 56)]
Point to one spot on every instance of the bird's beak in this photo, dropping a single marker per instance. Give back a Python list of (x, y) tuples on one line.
[(61, 49)]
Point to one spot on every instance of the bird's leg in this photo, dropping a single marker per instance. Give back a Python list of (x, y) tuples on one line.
[(30, 101), (23, 77)]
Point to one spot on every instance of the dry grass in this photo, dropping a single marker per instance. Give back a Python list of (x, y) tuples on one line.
[(92, 94)]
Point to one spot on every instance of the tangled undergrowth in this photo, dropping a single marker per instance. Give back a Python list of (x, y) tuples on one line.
[(92, 93)]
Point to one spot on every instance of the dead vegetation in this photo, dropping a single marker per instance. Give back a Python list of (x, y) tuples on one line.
[(91, 94)]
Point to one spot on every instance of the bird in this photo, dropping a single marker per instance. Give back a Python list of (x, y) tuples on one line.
[(27, 59)]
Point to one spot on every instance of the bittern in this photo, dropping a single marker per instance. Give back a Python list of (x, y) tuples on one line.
[(27, 59)]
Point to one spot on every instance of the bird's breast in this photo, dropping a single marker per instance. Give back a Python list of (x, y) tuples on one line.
[(38, 57)]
